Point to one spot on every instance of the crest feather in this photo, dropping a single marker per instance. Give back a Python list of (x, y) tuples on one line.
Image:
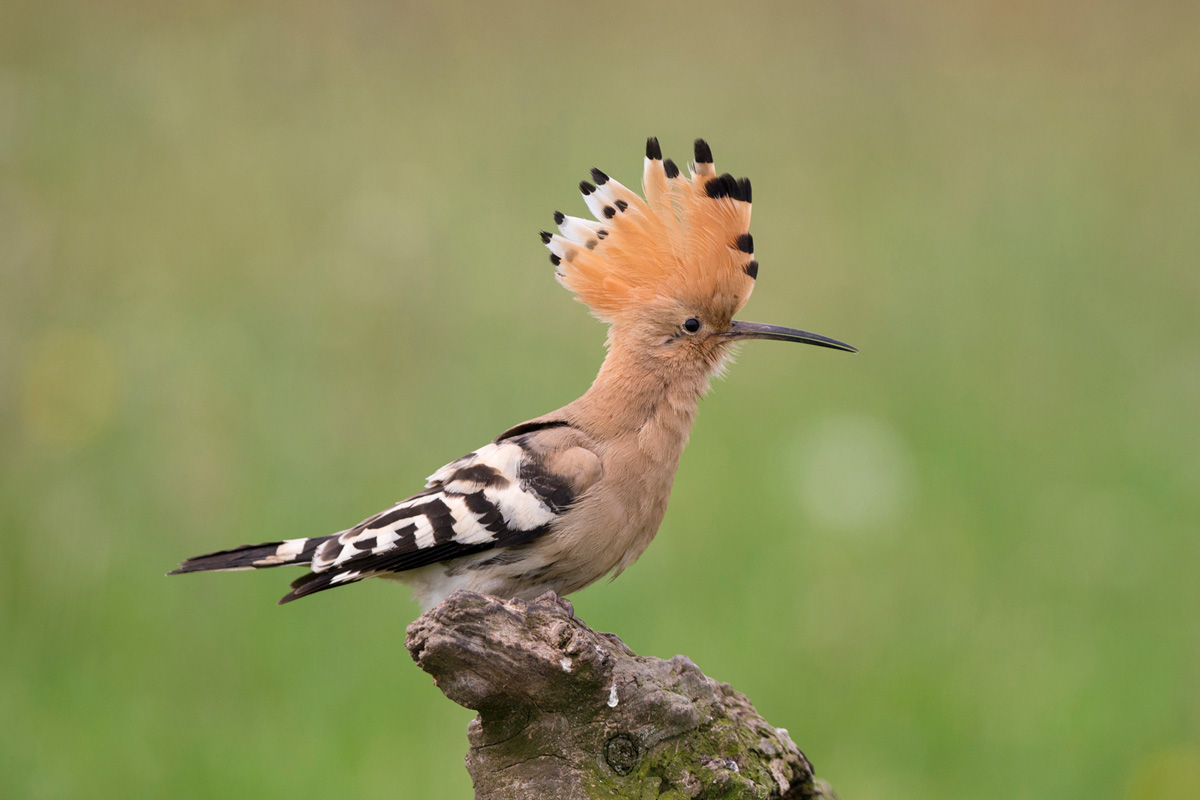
[(687, 241)]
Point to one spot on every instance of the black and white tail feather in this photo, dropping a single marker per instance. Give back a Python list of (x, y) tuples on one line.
[(497, 496)]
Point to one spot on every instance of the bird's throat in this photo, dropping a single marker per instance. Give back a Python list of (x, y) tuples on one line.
[(637, 394)]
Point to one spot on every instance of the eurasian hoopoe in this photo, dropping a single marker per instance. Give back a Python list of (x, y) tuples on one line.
[(558, 502)]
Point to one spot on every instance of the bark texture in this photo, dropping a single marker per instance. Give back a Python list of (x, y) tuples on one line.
[(569, 713)]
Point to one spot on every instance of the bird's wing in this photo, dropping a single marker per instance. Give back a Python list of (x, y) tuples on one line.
[(506, 493)]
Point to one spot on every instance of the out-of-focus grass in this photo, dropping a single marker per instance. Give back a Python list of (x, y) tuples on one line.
[(265, 266)]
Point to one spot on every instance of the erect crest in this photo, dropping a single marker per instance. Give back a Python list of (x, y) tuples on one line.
[(688, 241)]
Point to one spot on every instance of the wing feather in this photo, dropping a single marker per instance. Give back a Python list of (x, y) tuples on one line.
[(501, 495)]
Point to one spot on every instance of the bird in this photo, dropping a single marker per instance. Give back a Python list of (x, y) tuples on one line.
[(555, 503)]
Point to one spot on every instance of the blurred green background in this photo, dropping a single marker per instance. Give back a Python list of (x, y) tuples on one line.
[(264, 266)]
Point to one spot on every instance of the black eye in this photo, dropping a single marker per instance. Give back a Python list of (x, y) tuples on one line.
[(692, 325)]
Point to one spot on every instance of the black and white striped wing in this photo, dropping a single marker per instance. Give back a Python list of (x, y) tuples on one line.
[(498, 496)]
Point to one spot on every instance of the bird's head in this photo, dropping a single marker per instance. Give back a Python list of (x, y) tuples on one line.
[(670, 271)]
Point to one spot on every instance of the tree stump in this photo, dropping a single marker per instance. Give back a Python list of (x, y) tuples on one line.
[(569, 713)]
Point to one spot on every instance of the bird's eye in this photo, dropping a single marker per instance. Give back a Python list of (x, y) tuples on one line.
[(692, 325)]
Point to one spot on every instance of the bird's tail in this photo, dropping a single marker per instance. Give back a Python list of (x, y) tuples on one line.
[(254, 556)]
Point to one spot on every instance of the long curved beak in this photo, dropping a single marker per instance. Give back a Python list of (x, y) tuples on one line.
[(759, 330)]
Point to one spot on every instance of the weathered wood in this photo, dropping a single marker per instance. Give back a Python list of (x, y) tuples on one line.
[(569, 713)]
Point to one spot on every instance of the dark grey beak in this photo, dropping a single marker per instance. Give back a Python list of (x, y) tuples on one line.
[(758, 330)]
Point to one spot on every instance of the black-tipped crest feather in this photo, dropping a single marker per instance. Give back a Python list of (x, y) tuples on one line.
[(728, 186)]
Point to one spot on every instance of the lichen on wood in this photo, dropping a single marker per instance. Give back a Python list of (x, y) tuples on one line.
[(569, 713)]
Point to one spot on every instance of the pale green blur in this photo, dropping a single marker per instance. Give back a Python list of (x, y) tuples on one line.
[(263, 267)]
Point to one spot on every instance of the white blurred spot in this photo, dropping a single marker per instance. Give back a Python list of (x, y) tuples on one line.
[(612, 694), (855, 474)]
